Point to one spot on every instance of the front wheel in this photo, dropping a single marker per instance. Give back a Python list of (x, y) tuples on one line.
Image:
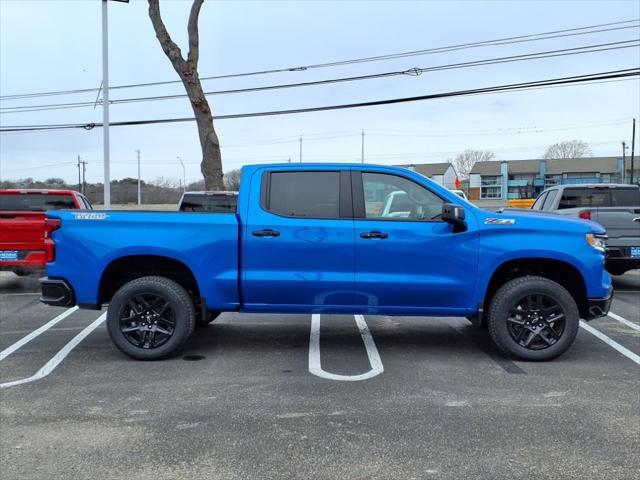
[(533, 318), (150, 318)]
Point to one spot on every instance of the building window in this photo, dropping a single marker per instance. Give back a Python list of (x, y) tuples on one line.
[(490, 180), (490, 192), (490, 186), (551, 180)]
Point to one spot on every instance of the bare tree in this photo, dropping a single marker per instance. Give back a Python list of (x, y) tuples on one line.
[(465, 161), (232, 179), (568, 149), (187, 69)]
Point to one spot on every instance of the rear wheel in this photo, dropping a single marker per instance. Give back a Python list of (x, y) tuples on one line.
[(150, 318), (533, 318)]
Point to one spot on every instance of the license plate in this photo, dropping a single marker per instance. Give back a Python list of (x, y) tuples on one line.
[(8, 255), (635, 252)]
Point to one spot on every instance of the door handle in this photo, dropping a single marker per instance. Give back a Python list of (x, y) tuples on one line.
[(637, 219), (375, 234), (267, 232)]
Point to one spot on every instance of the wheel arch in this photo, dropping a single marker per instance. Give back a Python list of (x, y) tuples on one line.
[(129, 267), (559, 271)]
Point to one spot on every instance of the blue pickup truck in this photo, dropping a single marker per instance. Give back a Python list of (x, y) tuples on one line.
[(315, 238)]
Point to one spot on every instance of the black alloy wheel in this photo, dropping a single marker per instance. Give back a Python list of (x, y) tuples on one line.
[(533, 318), (147, 320), (150, 318), (536, 322)]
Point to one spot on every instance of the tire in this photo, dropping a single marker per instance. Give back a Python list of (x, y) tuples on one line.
[(524, 328), (150, 318), (203, 321)]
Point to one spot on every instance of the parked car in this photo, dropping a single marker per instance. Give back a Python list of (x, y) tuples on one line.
[(24, 233), (615, 207), (210, 201), (304, 239), (460, 193)]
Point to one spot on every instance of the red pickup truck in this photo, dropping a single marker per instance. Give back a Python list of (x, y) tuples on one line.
[(24, 232)]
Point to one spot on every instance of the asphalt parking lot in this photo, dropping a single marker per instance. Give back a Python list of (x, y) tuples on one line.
[(288, 396)]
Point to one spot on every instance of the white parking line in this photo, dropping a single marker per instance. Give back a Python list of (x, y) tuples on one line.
[(624, 321), (612, 343), (315, 363), (9, 350), (51, 365)]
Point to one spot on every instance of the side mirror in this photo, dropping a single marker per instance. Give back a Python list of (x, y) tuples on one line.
[(454, 215)]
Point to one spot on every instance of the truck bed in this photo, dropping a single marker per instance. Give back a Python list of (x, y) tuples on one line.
[(206, 244)]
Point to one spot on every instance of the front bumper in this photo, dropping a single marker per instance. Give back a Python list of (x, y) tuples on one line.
[(599, 307), (56, 292)]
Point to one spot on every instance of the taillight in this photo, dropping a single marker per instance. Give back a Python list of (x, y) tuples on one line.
[(585, 214), (50, 224)]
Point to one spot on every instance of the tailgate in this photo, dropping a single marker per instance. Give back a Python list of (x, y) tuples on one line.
[(622, 227), (22, 238)]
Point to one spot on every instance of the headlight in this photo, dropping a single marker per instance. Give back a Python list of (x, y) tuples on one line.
[(599, 242)]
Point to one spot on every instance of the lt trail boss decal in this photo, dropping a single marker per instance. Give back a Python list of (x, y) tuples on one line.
[(89, 216)]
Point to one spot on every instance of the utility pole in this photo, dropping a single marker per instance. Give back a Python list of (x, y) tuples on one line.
[(79, 181), (139, 191), (300, 148), (633, 146), (624, 161), (362, 148), (84, 177)]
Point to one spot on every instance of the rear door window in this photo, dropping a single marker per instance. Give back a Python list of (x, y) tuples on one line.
[(304, 194), (35, 202)]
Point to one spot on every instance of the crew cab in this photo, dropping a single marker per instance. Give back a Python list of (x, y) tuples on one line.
[(24, 233), (614, 206), (305, 239)]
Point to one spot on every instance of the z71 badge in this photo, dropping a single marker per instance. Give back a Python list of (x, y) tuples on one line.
[(500, 221)]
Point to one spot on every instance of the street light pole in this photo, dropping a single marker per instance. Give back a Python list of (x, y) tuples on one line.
[(300, 148), (105, 105), (139, 192), (184, 175), (633, 146), (624, 161)]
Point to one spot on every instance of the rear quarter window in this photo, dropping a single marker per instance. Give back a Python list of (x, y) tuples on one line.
[(35, 202)]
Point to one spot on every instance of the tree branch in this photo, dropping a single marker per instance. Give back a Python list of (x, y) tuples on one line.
[(170, 48), (192, 29)]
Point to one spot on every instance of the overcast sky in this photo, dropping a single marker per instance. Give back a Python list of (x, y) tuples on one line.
[(56, 45)]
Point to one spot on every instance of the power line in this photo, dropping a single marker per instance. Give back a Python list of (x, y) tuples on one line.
[(411, 72), (585, 30), (332, 157), (500, 88)]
